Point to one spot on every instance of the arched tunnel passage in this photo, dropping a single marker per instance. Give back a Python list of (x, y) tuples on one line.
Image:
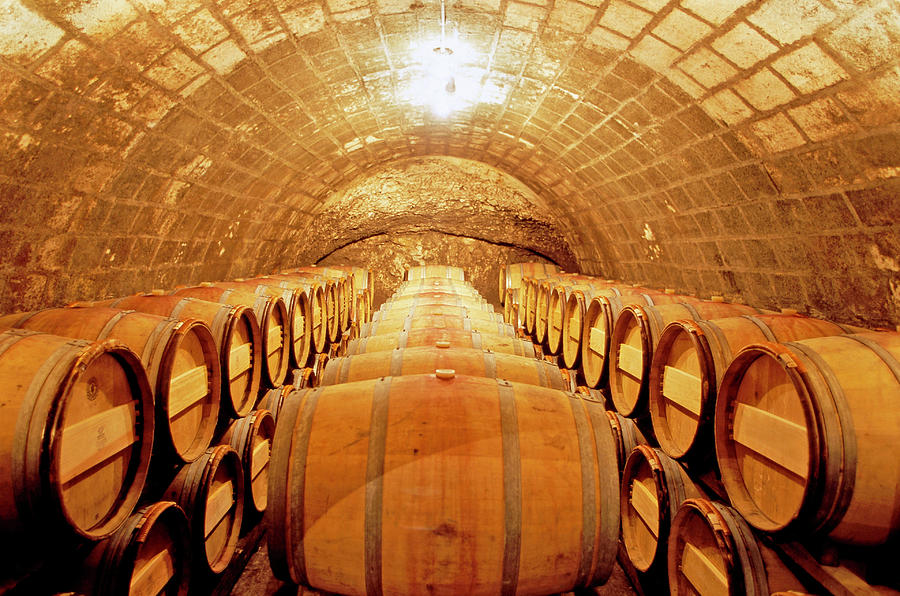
[(743, 147)]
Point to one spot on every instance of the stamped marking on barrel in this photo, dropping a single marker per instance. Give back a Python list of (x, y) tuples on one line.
[(597, 341), (644, 502), (701, 572), (152, 577), (682, 388), (218, 504), (92, 441), (631, 361), (239, 360), (187, 389), (754, 429), (274, 339)]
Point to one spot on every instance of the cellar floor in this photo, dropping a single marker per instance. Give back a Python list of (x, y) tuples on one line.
[(257, 580)]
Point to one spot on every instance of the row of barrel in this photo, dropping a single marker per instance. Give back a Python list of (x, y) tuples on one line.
[(441, 455), (792, 421), (132, 428)]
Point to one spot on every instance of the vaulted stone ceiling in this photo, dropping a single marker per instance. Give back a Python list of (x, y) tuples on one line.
[(745, 147)]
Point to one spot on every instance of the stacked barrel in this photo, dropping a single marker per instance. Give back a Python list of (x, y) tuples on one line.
[(741, 429), (137, 430), (440, 455)]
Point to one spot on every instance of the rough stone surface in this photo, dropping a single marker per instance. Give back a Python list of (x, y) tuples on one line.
[(145, 143), (388, 255)]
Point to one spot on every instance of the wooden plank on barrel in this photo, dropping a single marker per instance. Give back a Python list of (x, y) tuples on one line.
[(239, 360), (260, 458), (631, 360), (274, 339), (152, 577), (701, 572), (597, 341), (646, 505), (93, 440), (682, 388), (556, 320), (218, 505), (187, 389), (755, 428)]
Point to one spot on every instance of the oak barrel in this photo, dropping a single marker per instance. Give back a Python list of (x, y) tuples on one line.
[(271, 316), (301, 308), (428, 359), (436, 284), (149, 554), (76, 433), (688, 365), (558, 332), (426, 310), (454, 338), (273, 399), (634, 338), (349, 281), (237, 338), (510, 490), (574, 317), (251, 436), (327, 316), (434, 271), (806, 436), (179, 356), (440, 321), (511, 275), (511, 311), (626, 434), (211, 493), (447, 297), (653, 488)]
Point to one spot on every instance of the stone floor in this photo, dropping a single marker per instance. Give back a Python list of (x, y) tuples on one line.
[(257, 580)]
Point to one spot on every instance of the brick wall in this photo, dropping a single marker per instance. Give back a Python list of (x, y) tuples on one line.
[(717, 146)]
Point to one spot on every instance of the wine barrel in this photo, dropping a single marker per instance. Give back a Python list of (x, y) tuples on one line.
[(351, 279), (427, 310), (76, 432), (557, 310), (428, 359), (341, 284), (512, 313), (574, 316), (599, 321), (328, 316), (149, 554), (440, 321), (273, 400), (272, 318), (626, 434), (362, 308), (211, 493), (510, 490), (688, 365), (805, 436), (713, 551), (432, 271), (511, 275), (234, 329), (634, 339), (436, 284), (454, 338), (437, 297), (251, 436), (179, 356), (300, 305), (653, 488)]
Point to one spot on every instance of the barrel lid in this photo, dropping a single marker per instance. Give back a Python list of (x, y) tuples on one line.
[(628, 359), (641, 510), (698, 561), (764, 440)]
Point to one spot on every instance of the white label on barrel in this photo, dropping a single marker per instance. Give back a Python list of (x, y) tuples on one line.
[(87, 443), (218, 504), (646, 505), (260, 458), (779, 440), (682, 388), (187, 389), (631, 361), (152, 577), (701, 572), (597, 342), (239, 360), (274, 339)]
